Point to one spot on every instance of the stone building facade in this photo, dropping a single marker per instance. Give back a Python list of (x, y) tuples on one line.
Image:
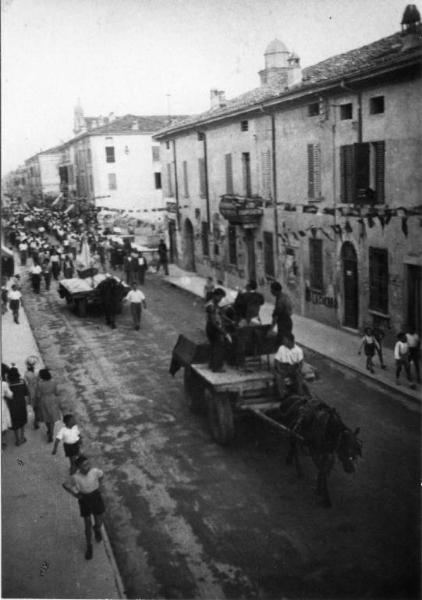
[(313, 179)]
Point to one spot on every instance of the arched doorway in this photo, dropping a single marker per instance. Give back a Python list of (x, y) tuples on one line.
[(189, 247), (350, 285)]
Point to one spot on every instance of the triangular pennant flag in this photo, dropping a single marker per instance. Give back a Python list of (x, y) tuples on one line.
[(381, 219), (302, 233), (314, 231), (371, 221), (327, 235), (348, 227)]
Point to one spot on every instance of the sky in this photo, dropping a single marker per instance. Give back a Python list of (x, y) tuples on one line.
[(155, 56)]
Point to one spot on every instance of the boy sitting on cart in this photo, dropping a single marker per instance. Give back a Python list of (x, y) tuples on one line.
[(288, 362)]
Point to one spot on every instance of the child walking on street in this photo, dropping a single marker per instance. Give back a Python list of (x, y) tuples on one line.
[(71, 438), (370, 346), (401, 356), (84, 485)]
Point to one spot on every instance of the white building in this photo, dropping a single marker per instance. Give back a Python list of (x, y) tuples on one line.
[(117, 165)]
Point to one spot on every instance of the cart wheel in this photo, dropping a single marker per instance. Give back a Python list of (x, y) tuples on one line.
[(81, 307), (220, 417), (193, 390)]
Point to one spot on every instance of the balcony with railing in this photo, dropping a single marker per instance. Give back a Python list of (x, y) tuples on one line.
[(242, 210)]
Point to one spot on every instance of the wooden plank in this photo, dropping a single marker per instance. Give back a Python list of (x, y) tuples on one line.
[(234, 380)]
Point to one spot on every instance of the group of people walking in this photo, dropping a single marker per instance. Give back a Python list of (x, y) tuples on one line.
[(41, 392), (406, 352)]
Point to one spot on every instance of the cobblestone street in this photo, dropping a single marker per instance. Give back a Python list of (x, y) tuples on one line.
[(189, 519)]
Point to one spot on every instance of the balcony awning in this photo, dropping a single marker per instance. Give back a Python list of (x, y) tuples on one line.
[(241, 210)]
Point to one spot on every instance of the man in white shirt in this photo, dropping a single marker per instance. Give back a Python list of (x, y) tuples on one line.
[(136, 300), (401, 356), (288, 362), (36, 271), (15, 302)]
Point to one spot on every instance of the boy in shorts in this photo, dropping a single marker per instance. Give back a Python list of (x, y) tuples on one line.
[(84, 485)]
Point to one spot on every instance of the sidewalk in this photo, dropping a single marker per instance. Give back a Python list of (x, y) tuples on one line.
[(43, 541), (337, 345)]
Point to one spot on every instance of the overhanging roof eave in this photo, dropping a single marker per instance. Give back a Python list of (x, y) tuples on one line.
[(292, 95)]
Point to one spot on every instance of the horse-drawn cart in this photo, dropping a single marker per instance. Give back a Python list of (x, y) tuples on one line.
[(249, 385), (83, 291)]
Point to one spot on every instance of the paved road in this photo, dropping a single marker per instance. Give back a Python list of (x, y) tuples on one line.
[(190, 519)]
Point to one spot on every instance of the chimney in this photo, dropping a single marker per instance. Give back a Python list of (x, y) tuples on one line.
[(411, 28), (135, 125), (111, 117), (218, 98), (294, 74)]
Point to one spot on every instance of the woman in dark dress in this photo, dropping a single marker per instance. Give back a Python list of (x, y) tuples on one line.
[(17, 405)]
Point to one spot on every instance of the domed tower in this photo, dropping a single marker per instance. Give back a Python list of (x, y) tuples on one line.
[(279, 65), (411, 28)]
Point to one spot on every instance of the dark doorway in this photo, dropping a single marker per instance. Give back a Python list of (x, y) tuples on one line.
[(189, 249), (250, 249), (351, 288), (172, 241), (414, 297)]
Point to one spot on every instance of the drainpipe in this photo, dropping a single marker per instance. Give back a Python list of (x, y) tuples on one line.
[(359, 95), (176, 186), (274, 173), (207, 194)]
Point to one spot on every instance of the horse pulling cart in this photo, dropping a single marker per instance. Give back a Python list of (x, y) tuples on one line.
[(249, 386), (82, 291)]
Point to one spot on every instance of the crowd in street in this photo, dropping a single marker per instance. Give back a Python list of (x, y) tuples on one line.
[(50, 246)]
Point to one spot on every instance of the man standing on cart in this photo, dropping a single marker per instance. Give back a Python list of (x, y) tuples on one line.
[(216, 331)]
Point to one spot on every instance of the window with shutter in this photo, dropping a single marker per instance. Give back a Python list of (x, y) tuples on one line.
[(266, 174), (379, 171), (269, 254), (229, 174), (169, 180), (361, 172), (346, 173), (246, 169), (185, 179), (314, 171), (315, 264), (156, 153), (378, 279), (110, 158), (201, 169), (232, 245), (157, 181)]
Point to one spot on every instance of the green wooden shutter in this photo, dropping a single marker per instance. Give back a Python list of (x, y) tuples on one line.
[(229, 174), (201, 169), (380, 171), (311, 173)]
